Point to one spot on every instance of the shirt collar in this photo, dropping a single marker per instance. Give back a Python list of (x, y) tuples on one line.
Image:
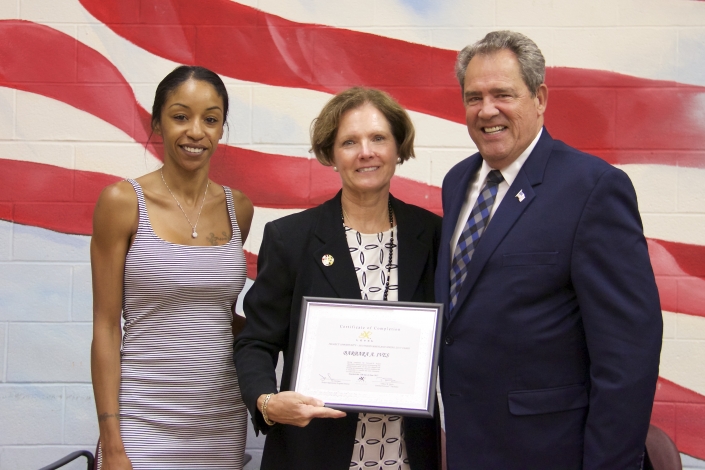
[(512, 170)]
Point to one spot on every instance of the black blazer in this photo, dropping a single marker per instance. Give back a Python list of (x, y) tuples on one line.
[(289, 267)]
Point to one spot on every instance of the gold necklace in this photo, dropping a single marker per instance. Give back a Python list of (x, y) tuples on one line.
[(194, 234)]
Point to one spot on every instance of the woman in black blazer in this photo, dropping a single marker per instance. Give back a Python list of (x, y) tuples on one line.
[(363, 134)]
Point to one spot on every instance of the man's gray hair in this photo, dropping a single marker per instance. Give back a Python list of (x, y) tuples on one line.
[(531, 61)]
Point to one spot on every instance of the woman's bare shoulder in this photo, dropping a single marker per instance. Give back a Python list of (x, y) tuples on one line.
[(120, 194), (117, 208), (242, 202)]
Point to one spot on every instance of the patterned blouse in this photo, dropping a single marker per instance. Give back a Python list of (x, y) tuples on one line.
[(379, 439)]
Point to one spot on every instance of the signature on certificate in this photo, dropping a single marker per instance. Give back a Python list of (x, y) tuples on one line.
[(327, 379)]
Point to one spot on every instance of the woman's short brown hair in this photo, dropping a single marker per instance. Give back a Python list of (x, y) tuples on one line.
[(325, 127)]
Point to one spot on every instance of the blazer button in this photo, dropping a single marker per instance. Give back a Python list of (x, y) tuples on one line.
[(449, 340)]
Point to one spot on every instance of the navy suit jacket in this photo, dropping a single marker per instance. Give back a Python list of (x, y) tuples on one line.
[(289, 267), (550, 357)]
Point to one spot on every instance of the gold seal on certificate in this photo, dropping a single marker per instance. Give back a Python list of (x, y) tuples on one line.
[(369, 356)]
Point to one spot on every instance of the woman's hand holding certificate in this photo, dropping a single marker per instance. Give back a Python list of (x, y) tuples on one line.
[(296, 409)]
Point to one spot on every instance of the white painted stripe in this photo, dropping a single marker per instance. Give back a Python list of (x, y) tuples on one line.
[(78, 140), (654, 35), (684, 352), (261, 217), (273, 125), (657, 39)]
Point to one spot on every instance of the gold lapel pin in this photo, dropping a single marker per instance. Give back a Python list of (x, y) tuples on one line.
[(327, 260)]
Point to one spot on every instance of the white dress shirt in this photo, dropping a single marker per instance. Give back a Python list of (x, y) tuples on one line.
[(478, 182)]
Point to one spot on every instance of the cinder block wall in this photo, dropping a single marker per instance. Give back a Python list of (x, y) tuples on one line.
[(77, 78)]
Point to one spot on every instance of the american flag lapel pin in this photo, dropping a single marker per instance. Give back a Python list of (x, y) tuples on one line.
[(520, 195)]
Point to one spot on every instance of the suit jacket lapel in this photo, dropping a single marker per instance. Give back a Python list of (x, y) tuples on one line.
[(329, 230), (412, 258), (530, 175), (413, 253)]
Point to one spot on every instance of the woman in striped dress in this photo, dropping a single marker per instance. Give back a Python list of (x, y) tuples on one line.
[(167, 253)]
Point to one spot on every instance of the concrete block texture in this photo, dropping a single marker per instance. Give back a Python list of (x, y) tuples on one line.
[(37, 244), (670, 324), (419, 13), (679, 358), (684, 228), (49, 352), (416, 169), (5, 240), (655, 186), (59, 11), (341, 14), (690, 327), (3, 350), (436, 132), (562, 14), (7, 104), (418, 35), (10, 9), (691, 60), (442, 160), (691, 185), (33, 457), (691, 463), (134, 63), (31, 414), (50, 153), (124, 160), (282, 115), (36, 120), (598, 48), (80, 421), (659, 12), (239, 130), (34, 292), (81, 293)]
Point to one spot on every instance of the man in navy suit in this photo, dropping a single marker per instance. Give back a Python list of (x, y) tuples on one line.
[(553, 326)]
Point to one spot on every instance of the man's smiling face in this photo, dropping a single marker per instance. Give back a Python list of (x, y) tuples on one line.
[(502, 115)]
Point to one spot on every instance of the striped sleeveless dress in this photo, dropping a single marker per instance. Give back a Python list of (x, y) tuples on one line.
[(180, 403)]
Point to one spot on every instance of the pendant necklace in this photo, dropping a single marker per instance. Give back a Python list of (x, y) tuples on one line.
[(391, 242), (194, 234)]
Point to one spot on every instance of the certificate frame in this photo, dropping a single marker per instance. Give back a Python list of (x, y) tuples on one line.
[(363, 343)]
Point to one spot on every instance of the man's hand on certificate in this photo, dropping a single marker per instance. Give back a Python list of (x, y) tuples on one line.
[(296, 409)]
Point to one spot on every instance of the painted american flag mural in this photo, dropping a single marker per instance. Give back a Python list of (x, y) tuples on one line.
[(77, 77)]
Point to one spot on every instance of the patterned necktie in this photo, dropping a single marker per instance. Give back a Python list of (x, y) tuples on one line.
[(470, 237)]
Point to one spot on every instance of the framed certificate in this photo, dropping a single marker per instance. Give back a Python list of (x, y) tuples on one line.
[(369, 356)]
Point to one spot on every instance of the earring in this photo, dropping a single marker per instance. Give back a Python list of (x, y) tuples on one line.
[(335, 168), (398, 160)]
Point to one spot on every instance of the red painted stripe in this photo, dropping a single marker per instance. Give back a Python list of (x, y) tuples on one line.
[(251, 259), (680, 275), (680, 412), (41, 193), (621, 118), (287, 53), (50, 197), (290, 182)]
